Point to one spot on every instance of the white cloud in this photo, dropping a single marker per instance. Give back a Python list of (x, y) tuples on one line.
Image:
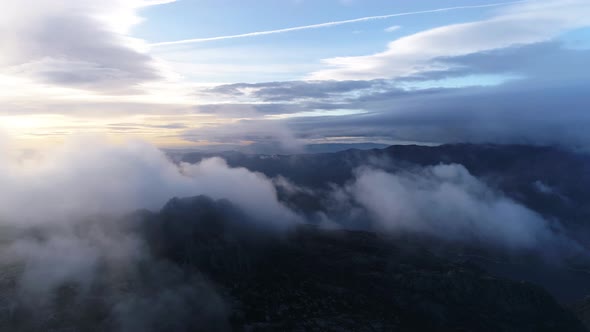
[(447, 202), (392, 28), (75, 43), (525, 23), (90, 176)]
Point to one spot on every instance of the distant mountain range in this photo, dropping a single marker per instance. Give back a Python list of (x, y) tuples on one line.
[(551, 181), (276, 148)]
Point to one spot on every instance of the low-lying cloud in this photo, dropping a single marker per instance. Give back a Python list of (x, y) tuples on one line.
[(89, 176), (70, 249), (447, 202)]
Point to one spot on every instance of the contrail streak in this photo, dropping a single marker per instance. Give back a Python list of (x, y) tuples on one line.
[(328, 24)]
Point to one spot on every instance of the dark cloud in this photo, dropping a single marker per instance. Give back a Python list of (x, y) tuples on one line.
[(511, 113), (250, 109), (140, 126), (545, 104), (296, 90), (545, 61)]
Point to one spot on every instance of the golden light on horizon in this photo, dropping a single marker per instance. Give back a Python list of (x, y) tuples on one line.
[(33, 131)]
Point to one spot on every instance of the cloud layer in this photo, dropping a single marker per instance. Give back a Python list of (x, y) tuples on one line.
[(447, 202), (94, 177), (69, 227), (532, 101)]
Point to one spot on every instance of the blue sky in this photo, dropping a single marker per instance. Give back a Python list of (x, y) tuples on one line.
[(446, 71), (300, 49), (187, 19)]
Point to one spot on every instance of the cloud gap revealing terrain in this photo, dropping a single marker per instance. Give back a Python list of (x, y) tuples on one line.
[(331, 165)]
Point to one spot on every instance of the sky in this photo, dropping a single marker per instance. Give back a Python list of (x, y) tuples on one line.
[(283, 74)]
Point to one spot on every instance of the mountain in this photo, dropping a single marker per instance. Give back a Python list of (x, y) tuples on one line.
[(206, 266), (583, 311), (349, 281), (550, 181), (276, 148)]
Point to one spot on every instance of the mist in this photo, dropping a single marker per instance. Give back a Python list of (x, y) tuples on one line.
[(82, 235), (89, 176), (66, 228), (447, 202)]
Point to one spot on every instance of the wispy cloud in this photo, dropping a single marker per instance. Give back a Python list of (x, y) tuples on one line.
[(328, 24), (392, 28)]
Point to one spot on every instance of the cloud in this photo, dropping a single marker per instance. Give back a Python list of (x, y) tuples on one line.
[(80, 44), (69, 258), (545, 114), (543, 101), (327, 24), (392, 28), (63, 256), (536, 88), (443, 202), (547, 61), (272, 133), (62, 276), (94, 177), (70, 247), (247, 110), (540, 94), (523, 23), (294, 90), (446, 201)]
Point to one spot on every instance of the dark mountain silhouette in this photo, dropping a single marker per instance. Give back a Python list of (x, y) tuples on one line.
[(582, 310)]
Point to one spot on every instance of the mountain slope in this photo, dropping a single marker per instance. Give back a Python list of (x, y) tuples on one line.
[(348, 281), (207, 266), (583, 312)]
